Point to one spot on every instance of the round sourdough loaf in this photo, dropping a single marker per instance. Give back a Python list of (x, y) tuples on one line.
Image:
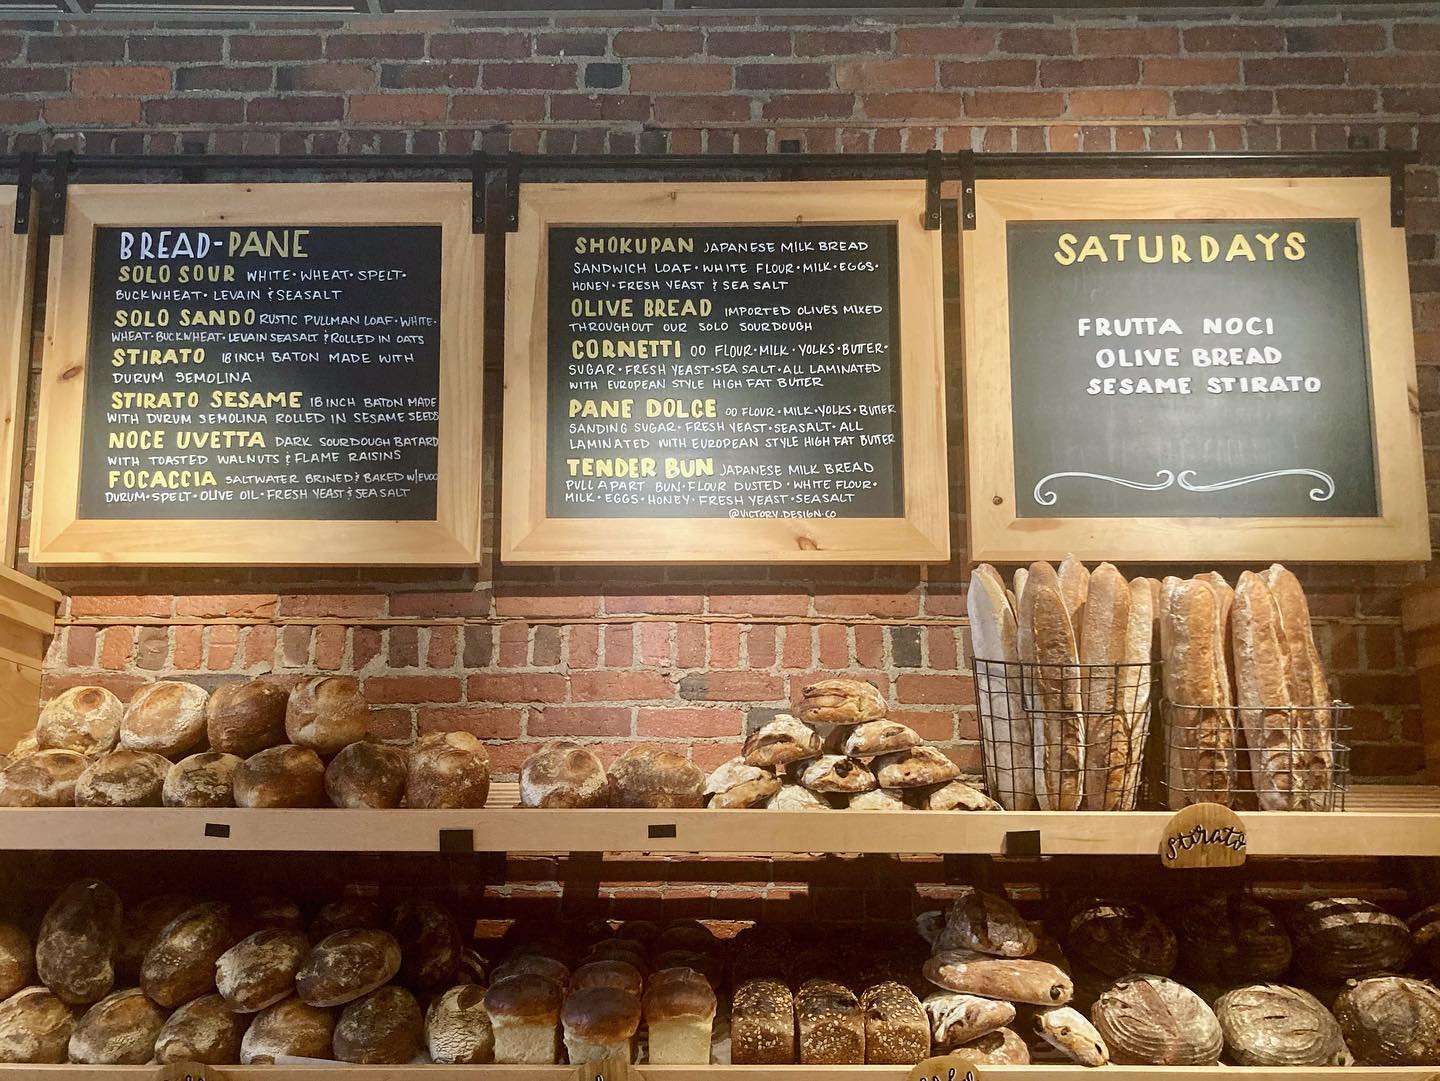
[(17, 960), (1000, 1047), (140, 926), (326, 714), (84, 719), (781, 741), (736, 784), (385, 1027), (1153, 1021), (290, 1028), (167, 717), (1117, 939), (431, 944), (346, 965), (1269, 1024), (563, 774), (1391, 1021), (284, 776), (42, 779), (245, 717), (78, 935), (448, 770), (1232, 940), (349, 913), (35, 1026), (656, 777), (841, 701), (123, 778), (259, 971), (1341, 938), (180, 965), (367, 775), (457, 1028), (203, 1030), (206, 779), (119, 1030)]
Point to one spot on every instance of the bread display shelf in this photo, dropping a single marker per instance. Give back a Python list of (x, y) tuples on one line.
[(344, 1072), (1380, 820)]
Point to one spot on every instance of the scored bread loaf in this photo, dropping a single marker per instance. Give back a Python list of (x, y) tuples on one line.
[(1200, 741), (457, 1028), (1269, 1024), (1135, 694), (914, 767), (383, 1028), (290, 1028), (870, 738), (837, 773), (244, 717), (346, 965), (1104, 642), (83, 719), (781, 741), (957, 795), (166, 717), (1153, 1021), (259, 971), (35, 1027), (1118, 938), (1391, 1021), (655, 777), (78, 936), (140, 926), (1009, 768), (1038, 983), (206, 779), (367, 775), (830, 1024), (1342, 938), (448, 771), (1305, 677), (762, 1023), (42, 779), (119, 1030), (897, 1032), (1276, 750), (1074, 582), (122, 778), (180, 965), (1232, 939), (1047, 640), (736, 783), (1002, 1047), (283, 776), (1224, 606), (957, 1019), (840, 701), (563, 774), (326, 714), (17, 960), (986, 923), (203, 1030)]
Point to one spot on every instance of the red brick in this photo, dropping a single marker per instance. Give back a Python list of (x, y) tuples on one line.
[(85, 112), (570, 44), (173, 112), (658, 43), (724, 645), (1035, 39), (116, 644), (329, 647), (480, 45), (331, 76), (579, 721), (1191, 71), (223, 77), (732, 687), (507, 758), (1423, 37), (429, 75), (1115, 71), (530, 75), (275, 47), (557, 606), (18, 112), (1327, 102), (526, 687), (393, 108), (709, 756), (294, 109), (747, 43), (176, 47), (945, 41), (80, 646), (119, 82), (493, 107), (841, 42), (222, 645), (395, 689), (1118, 103), (941, 651), (759, 604), (834, 646), (913, 106), (1231, 38), (482, 722), (655, 642), (383, 46), (689, 723), (1422, 100), (987, 73), (870, 645), (1127, 41), (808, 106), (760, 644), (514, 645), (700, 110), (619, 686), (912, 73), (681, 78), (1393, 70), (938, 726), (792, 76), (76, 48), (935, 690), (1224, 102), (690, 645), (260, 646), (235, 605), (33, 81), (1343, 37), (116, 604), (600, 107), (392, 724), (1014, 103), (664, 604), (797, 650), (619, 649), (332, 605), (1295, 71), (440, 650), (584, 649), (891, 604), (295, 646)]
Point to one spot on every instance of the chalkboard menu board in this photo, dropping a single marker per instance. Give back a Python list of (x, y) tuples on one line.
[(1202, 369), (263, 372), (724, 372), (1189, 368), (705, 372)]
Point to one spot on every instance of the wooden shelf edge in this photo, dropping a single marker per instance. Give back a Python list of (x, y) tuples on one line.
[(345, 1072)]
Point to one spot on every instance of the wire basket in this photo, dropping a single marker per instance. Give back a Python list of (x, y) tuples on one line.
[(1295, 758), (1064, 737)]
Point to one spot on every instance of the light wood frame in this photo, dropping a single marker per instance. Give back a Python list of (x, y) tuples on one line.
[(529, 535), (60, 536), (17, 278), (1401, 532)]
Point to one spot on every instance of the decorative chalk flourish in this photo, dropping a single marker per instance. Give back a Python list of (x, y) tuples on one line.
[(1046, 496)]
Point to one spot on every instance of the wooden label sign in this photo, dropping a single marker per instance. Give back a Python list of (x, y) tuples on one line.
[(1224, 365), (723, 373), (615, 1068), (1203, 835), (944, 1068), (221, 359), (185, 1070)]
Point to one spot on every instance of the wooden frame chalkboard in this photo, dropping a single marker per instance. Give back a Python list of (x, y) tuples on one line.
[(917, 532), (446, 528), (1387, 516), (17, 256)]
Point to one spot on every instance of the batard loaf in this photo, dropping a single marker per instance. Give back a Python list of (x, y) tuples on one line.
[(259, 971), (762, 1023), (1341, 938), (206, 779), (897, 1032), (1070, 1032), (1269, 1024), (957, 1019), (1391, 1021), (326, 714), (655, 777), (1305, 678), (1200, 742), (166, 717), (1104, 642), (448, 770), (1425, 936), (122, 778), (119, 1030), (290, 1028), (986, 923), (203, 1030), (140, 925), (1153, 1021), (563, 774), (283, 776), (78, 935), (431, 943), (347, 965), (180, 965), (840, 701), (83, 719), (17, 960), (457, 1028), (367, 775), (245, 717), (1047, 641), (1009, 767), (383, 1028), (35, 1027), (1013, 979), (794, 797), (1276, 750), (879, 799), (42, 779), (830, 1024)]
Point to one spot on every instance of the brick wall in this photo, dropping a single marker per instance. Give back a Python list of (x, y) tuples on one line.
[(690, 655)]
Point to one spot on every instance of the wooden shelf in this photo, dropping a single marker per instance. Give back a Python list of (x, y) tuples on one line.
[(343, 1072), (1379, 821)]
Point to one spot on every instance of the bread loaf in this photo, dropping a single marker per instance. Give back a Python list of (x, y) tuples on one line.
[(83, 719), (897, 1032), (1074, 582), (794, 797), (957, 1019), (987, 923), (17, 960), (1224, 606), (600, 1023), (1068, 1030), (457, 1028), (830, 1024), (1232, 939), (383, 1028), (781, 741), (878, 737), (35, 1027), (448, 770), (655, 777), (1391, 1021), (836, 773), (181, 963), (914, 767), (1276, 751), (1341, 938), (1152, 1021), (119, 1030), (206, 779), (557, 972), (203, 1030), (1046, 639), (244, 718), (734, 783), (140, 926), (122, 778), (350, 913), (880, 799), (77, 937), (166, 717), (431, 943), (762, 1024), (524, 1014), (1104, 642), (346, 965), (994, 638), (326, 714), (1016, 980), (1003, 1047), (840, 701), (1200, 740), (1305, 679), (679, 1009), (563, 774), (1118, 938), (284, 776), (621, 975), (959, 796), (367, 775), (1269, 1024), (259, 971), (290, 1028), (1137, 689), (1425, 936), (267, 911), (42, 779)]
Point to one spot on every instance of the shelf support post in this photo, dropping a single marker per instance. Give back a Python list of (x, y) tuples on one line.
[(24, 180)]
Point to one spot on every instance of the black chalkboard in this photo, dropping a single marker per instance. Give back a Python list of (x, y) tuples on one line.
[(1120, 405), (724, 371), (263, 372)]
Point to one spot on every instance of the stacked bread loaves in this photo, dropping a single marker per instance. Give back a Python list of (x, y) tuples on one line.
[(249, 744)]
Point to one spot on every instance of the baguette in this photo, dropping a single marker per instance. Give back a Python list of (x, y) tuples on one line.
[(1047, 640), (1017, 581), (1103, 642), (1135, 695), (1264, 696), (1074, 588), (1224, 605), (1308, 688), (993, 637), (1200, 743)]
